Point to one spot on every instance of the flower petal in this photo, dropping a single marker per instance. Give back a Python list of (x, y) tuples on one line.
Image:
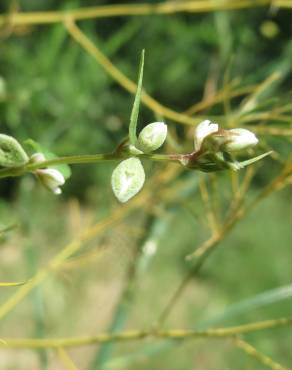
[(203, 130)]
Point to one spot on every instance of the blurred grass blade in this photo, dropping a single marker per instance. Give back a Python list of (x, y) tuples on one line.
[(260, 357), (136, 105), (66, 360), (7, 284), (139, 356), (260, 300), (8, 228)]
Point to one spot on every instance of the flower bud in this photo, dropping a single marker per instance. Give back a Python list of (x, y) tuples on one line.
[(52, 179), (238, 139), (152, 137), (203, 130), (127, 179), (37, 158), (11, 152)]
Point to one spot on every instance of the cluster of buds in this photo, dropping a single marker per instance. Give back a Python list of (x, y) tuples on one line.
[(50, 178), (13, 156), (214, 148)]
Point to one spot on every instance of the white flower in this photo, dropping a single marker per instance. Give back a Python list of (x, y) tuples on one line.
[(203, 130), (152, 137), (52, 179), (239, 139)]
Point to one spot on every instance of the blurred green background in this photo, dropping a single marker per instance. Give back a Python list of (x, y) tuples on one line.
[(52, 91)]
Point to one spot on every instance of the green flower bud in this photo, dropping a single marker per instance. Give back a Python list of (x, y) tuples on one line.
[(127, 179), (11, 152), (152, 137)]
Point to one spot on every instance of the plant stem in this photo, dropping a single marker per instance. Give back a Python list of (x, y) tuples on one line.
[(82, 159), (139, 335), (147, 9)]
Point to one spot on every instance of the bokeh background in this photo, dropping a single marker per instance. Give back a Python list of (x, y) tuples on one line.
[(233, 66)]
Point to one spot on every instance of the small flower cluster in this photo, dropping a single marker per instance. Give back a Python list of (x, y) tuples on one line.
[(13, 156), (50, 178), (214, 147), (210, 136)]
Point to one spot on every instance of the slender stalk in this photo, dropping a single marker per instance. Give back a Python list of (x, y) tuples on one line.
[(260, 357), (82, 159), (133, 10), (66, 359), (139, 335)]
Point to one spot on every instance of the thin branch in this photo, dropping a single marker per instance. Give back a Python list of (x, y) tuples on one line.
[(82, 159), (66, 359), (181, 287), (139, 335), (260, 357), (148, 9)]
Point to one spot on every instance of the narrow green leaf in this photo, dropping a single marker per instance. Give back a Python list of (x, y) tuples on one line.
[(260, 300), (255, 159), (136, 105)]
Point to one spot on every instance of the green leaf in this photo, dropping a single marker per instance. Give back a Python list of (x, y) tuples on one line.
[(257, 301), (11, 152), (255, 159), (33, 145), (136, 105), (127, 179)]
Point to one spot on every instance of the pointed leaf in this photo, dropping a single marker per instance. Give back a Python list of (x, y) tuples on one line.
[(136, 105), (255, 159)]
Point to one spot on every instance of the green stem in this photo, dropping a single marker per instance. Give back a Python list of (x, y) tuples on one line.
[(139, 335), (81, 159)]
